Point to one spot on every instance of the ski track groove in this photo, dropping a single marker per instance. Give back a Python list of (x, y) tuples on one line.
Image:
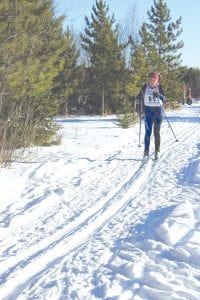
[(135, 215), (27, 208), (90, 220), (93, 217)]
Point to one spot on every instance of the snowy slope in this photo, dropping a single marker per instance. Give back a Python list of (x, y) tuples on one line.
[(89, 220)]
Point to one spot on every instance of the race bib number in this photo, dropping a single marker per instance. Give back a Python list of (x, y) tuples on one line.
[(150, 100)]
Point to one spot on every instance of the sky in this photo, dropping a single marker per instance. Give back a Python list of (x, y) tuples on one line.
[(76, 10), (89, 219)]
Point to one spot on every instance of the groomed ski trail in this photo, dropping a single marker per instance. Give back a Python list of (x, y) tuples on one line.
[(21, 271)]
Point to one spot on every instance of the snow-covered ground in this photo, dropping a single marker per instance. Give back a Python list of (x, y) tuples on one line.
[(88, 219)]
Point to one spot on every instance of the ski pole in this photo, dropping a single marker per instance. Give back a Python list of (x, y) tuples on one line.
[(170, 125), (140, 130), (168, 121), (140, 122)]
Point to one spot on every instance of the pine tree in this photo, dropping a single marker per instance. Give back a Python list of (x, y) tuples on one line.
[(143, 59), (31, 47), (67, 80), (165, 33), (106, 69), (191, 79), (158, 50)]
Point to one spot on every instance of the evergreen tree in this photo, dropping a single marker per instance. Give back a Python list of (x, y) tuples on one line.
[(105, 86), (66, 82), (31, 47), (143, 59), (157, 50), (191, 78), (165, 33)]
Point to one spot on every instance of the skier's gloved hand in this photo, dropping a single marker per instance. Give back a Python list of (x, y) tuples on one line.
[(156, 94), (142, 116)]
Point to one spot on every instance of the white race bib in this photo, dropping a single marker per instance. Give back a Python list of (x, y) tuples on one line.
[(149, 99)]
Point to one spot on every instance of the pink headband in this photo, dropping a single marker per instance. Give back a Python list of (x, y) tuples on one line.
[(155, 76)]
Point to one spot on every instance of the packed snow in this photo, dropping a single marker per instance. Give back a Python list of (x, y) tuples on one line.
[(89, 219)]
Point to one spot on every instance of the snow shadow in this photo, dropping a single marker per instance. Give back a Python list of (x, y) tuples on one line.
[(190, 174), (140, 260), (181, 119), (170, 225), (80, 120), (146, 230)]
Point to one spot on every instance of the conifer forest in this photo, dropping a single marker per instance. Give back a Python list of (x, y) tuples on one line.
[(46, 69)]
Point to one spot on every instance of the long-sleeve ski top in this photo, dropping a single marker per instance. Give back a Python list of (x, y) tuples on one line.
[(150, 98)]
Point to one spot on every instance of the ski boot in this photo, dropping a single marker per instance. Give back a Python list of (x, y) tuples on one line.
[(157, 154)]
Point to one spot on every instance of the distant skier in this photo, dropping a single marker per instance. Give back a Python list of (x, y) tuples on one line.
[(189, 96), (149, 102)]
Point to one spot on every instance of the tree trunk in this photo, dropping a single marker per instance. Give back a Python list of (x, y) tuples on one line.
[(103, 101)]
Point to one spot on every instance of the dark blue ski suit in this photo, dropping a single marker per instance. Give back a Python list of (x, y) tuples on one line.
[(150, 102)]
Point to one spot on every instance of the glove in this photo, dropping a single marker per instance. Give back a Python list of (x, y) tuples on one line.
[(142, 116), (156, 94)]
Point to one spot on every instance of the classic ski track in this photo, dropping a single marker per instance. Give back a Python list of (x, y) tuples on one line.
[(110, 225), (166, 149), (91, 221), (30, 210), (27, 260), (23, 209)]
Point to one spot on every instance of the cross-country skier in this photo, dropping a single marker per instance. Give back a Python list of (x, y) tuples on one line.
[(149, 101)]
